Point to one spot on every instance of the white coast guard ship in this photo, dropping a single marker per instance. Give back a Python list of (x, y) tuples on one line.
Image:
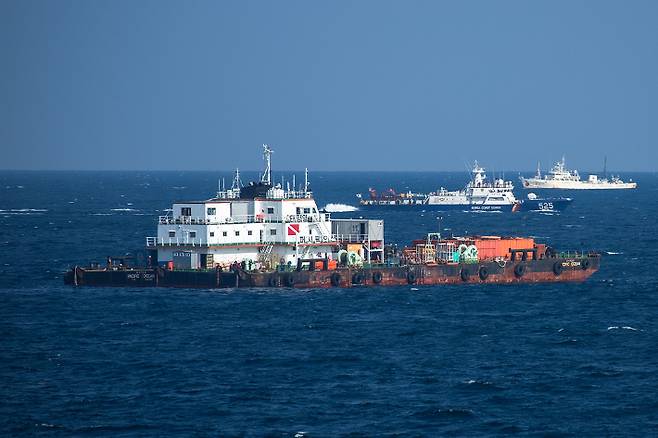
[(559, 177), (479, 195), (261, 224)]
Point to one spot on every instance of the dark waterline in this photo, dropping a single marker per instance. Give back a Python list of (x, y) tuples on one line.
[(468, 360)]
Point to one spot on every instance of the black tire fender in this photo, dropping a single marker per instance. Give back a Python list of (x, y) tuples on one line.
[(289, 280), (464, 274), (411, 277), (483, 273), (558, 268), (335, 279), (357, 278), (377, 277), (519, 270), (584, 264), (273, 281)]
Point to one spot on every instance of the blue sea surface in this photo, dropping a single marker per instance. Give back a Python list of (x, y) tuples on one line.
[(470, 360)]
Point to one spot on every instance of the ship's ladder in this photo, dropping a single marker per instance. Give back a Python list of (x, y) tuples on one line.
[(266, 250)]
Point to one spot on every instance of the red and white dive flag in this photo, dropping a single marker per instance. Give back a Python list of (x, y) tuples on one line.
[(293, 229)]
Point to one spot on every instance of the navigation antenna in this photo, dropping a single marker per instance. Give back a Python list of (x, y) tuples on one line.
[(306, 180), (237, 183), (267, 175), (605, 165)]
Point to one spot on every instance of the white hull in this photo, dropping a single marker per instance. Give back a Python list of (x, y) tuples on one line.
[(575, 185)]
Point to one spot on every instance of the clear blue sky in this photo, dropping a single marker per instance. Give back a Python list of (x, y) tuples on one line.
[(332, 85)]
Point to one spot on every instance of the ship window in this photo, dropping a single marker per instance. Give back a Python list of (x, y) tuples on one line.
[(212, 234), (307, 210), (250, 232), (237, 233), (186, 211), (299, 210), (273, 232), (172, 234), (192, 234), (224, 233), (212, 211), (270, 210)]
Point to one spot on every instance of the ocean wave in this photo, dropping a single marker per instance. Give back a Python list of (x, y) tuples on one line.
[(339, 208), (124, 209), (624, 327), (25, 210), (613, 253)]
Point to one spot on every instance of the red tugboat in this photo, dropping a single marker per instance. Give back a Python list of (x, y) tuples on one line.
[(263, 235)]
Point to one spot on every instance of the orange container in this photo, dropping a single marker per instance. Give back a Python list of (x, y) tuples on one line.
[(319, 266), (333, 264)]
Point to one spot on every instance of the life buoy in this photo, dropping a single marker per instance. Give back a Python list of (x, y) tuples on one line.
[(519, 270), (335, 279), (357, 278), (557, 268), (377, 277), (273, 281), (464, 274), (483, 273), (584, 264), (411, 277), (289, 280)]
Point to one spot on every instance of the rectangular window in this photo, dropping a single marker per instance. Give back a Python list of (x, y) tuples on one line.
[(299, 210), (224, 233), (212, 234), (192, 234), (270, 210), (273, 232), (250, 232), (212, 211), (172, 234), (307, 211), (186, 211), (237, 233)]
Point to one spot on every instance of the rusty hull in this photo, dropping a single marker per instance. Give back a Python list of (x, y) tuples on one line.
[(547, 270)]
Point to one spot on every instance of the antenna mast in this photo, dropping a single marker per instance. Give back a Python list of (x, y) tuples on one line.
[(237, 183), (306, 180), (267, 175), (605, 166)]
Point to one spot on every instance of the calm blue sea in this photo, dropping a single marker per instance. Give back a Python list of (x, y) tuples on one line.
[(565, 359)]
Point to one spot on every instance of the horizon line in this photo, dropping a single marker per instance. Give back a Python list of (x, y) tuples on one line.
[(302, 170)]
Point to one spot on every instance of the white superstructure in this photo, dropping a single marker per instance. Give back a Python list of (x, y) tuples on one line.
[(559, 177), (479, 192), (261, 224)]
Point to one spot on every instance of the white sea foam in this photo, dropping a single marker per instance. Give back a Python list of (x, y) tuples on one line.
[(414, 288), (339, 208), (124, 209), (613, 253), (624, 327)]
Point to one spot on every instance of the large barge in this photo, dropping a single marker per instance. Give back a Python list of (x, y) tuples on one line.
[(264, 236)]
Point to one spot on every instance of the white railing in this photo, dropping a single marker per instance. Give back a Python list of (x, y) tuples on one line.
[(351, 238), (327, 238), (243, 219)]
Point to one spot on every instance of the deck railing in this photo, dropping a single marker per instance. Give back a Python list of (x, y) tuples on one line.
[(178, 241), (244, 219)]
